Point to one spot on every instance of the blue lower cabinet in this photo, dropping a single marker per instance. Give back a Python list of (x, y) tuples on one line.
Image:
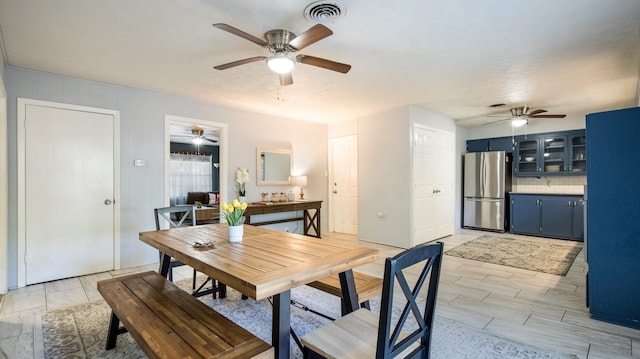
[(525, 215), (554, 216)]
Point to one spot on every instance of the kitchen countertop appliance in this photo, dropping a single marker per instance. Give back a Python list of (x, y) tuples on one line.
[(487, 180)]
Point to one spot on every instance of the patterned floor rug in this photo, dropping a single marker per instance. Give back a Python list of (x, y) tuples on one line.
[(80, 331), (540, 256)]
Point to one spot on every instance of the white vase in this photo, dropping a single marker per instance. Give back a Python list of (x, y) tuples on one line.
[(242, 199), (235, 233)]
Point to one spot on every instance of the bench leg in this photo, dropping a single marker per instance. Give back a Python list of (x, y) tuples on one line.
[(112, 335)]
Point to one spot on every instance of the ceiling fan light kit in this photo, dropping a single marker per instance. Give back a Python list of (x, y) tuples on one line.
[(280, 63), (197, 140), (519, 121)]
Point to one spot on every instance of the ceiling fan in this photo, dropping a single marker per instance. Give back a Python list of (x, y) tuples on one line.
[(197, 136), (280, 43), (521, 115)]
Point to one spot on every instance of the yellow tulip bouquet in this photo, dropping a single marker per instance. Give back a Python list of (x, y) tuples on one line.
[(233, 212)]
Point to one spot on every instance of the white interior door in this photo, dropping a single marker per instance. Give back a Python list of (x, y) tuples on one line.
[(433, 176), (344, 184), (69, 193), (424, 186)]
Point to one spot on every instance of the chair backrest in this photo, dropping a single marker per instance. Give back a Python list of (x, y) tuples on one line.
[(176, 215), (420, 264)]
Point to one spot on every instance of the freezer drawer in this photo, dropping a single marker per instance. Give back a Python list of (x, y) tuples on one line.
[(486, 213)]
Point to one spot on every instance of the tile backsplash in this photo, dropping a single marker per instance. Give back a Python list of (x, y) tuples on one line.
[(559, 184)]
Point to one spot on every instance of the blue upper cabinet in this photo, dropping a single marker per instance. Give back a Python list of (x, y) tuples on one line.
[(578, 154), (491, 144), (481, 145), (551, 154), (505, 144), (528, 157), (554, 154)]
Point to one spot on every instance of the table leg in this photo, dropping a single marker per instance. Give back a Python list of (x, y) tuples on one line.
[(281, 324), (349, 294), (165, 261), (312, 222)]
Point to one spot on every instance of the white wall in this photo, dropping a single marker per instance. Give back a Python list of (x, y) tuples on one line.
[(384, 168), (142, 137)]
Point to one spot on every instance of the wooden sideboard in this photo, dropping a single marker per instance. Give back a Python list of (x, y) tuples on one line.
[(311, 214)]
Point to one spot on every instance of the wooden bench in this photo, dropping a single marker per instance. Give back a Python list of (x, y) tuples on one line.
[(367, 287), (168, 322)]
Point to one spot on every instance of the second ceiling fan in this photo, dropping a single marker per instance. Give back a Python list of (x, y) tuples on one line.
[(280, 43), (521, 115)]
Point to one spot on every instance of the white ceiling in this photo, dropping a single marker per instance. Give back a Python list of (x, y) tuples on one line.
[(453, 57)]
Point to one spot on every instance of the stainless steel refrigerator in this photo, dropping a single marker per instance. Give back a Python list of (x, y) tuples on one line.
[(487, 182)]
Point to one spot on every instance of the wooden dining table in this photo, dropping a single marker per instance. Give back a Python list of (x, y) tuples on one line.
[(266, 263)]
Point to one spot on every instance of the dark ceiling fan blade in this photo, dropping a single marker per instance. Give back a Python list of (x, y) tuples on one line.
[(548, 116), (209, 139), (314, 34), (535, 112), (286, 79), (324, 63), (239, 62), (242, 34), (492, 122)]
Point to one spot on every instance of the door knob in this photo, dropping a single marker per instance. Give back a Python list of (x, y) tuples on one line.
[(334, 191), (107, 201)]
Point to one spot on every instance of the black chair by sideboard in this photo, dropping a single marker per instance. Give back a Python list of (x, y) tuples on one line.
[(178, 216)]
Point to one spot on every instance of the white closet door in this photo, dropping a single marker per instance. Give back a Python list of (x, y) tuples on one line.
[(69, 193), (433, 175)]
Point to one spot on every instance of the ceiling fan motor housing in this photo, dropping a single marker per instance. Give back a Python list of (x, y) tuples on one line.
[(279, 40)]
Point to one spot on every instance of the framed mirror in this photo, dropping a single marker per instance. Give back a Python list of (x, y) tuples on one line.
[(274, 166)]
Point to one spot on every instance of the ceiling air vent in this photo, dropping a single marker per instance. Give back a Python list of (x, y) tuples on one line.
[(324, 11)]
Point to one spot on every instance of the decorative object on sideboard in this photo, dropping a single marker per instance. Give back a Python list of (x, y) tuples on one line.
[(264, 196), (242, 177), (301, 181)]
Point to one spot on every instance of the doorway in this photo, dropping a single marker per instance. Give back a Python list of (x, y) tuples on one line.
[(68, 186), (343, 184), (187, 125)]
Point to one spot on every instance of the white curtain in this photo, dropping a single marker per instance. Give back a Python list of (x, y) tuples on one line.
[(188, 173)]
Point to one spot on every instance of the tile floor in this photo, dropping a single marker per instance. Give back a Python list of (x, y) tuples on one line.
[(539, 309)]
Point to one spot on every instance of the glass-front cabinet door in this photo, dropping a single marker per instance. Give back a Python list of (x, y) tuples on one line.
[(527, 163), (578, 155), (554, 154)]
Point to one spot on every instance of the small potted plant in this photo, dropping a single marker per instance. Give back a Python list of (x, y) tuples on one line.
[(198, 204), (233, 213)]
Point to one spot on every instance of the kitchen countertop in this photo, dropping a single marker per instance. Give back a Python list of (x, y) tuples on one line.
[(547, 194)]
